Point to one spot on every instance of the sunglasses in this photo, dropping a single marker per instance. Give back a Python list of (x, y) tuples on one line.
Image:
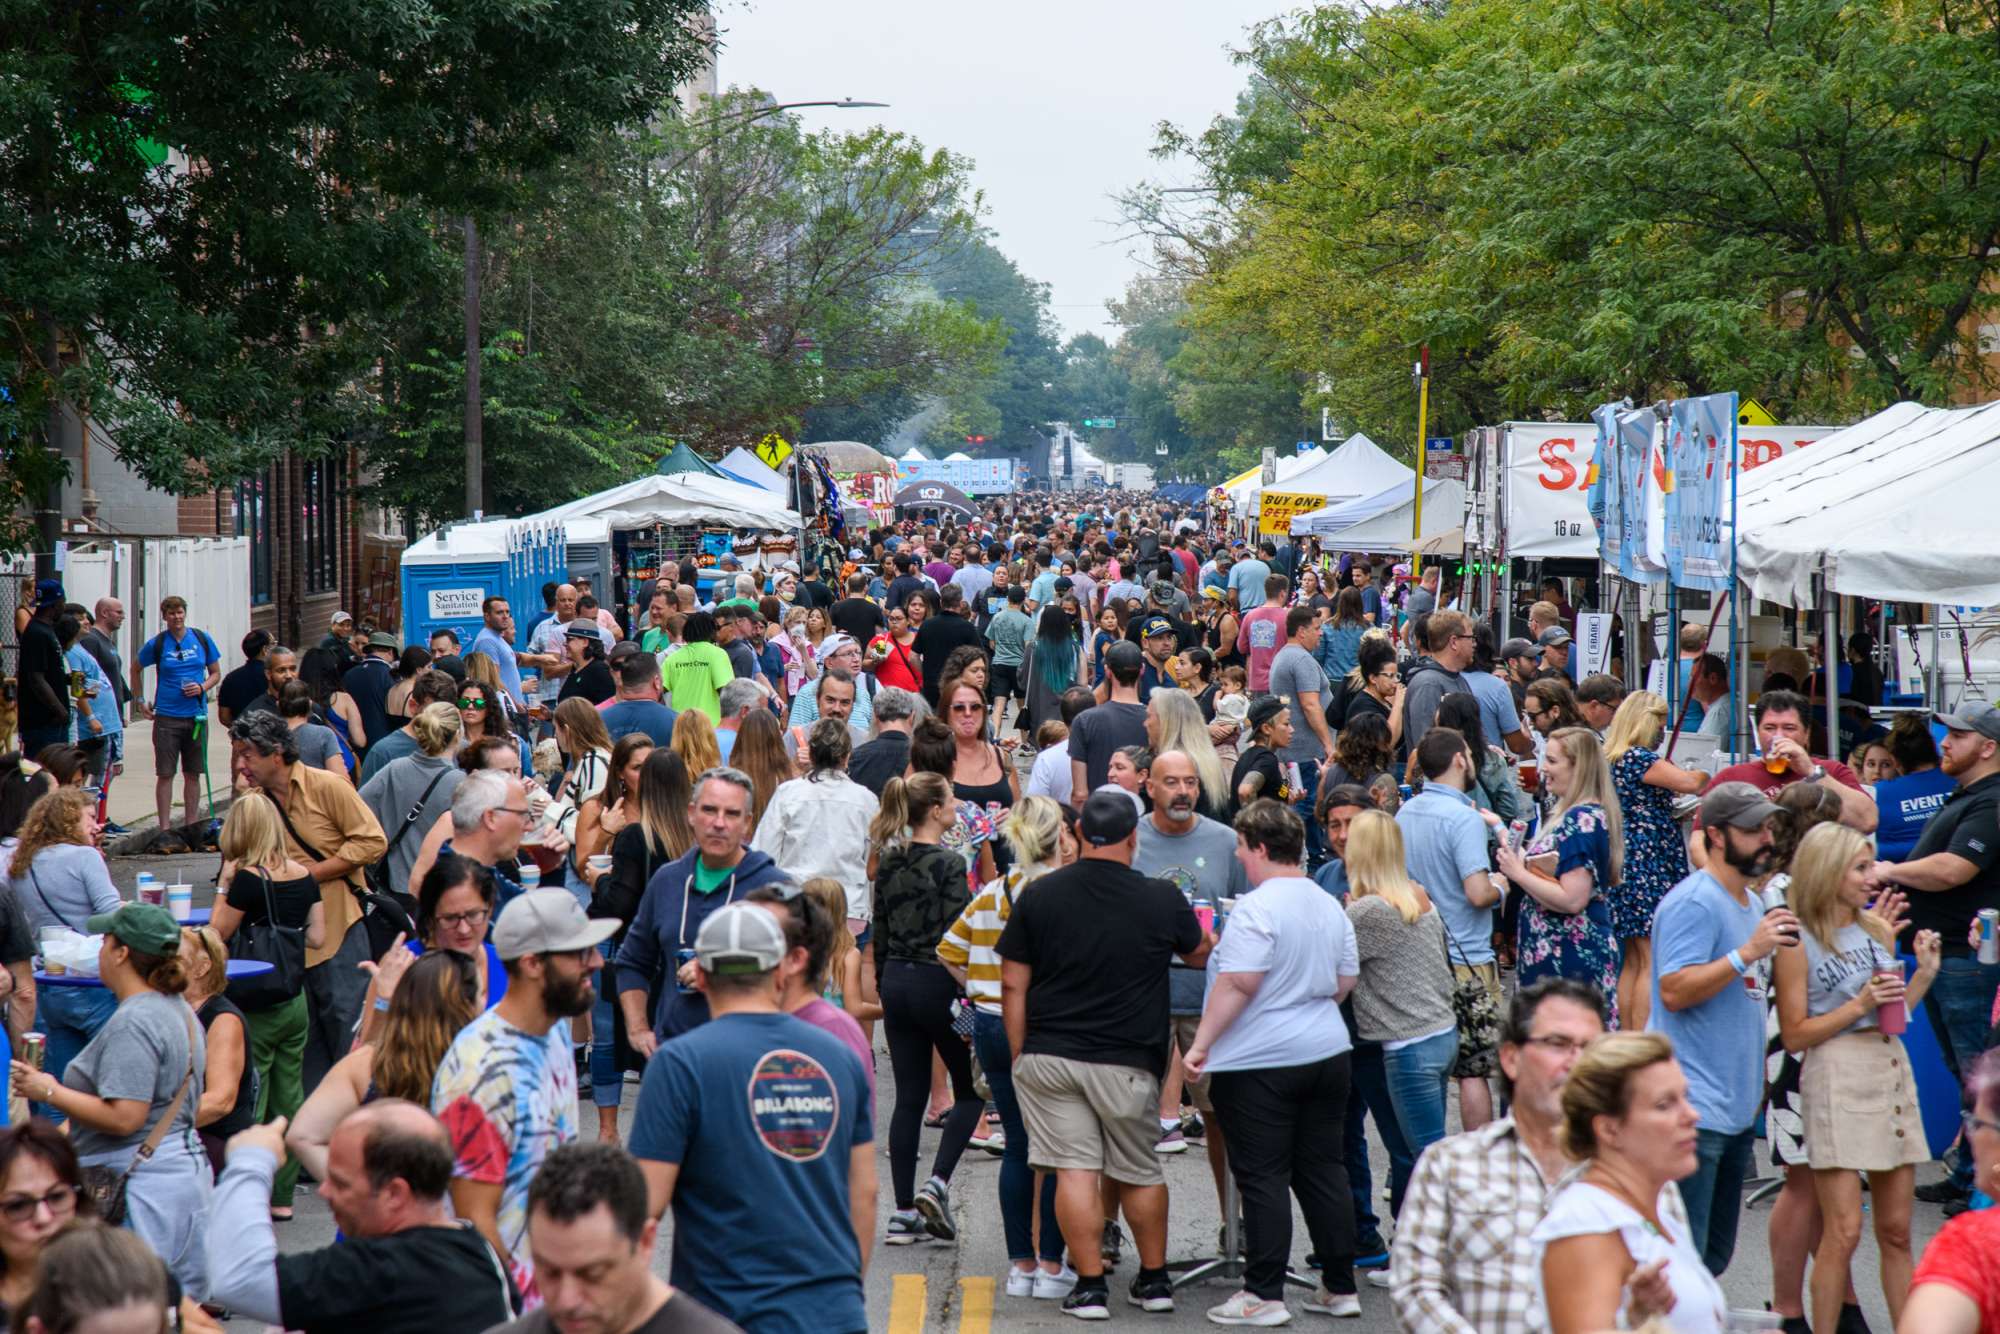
[(968, 708), (472, 704)]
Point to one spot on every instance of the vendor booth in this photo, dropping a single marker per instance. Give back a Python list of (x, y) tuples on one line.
[(1385, 521), (865, 476), (1356, 470), (740, 465)]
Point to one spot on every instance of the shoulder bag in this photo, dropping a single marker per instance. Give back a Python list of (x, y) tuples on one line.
[(1473, 1006), (106, 1185), (272, 942), (377, 873), (385, 914)]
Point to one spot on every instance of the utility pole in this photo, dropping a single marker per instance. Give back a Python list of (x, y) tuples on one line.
[(1422, 375), (475, 433)]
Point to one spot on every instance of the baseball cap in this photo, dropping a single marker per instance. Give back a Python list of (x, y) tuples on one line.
[(1736, 806), (739, 939), (1517, 648), (1263, 709), (833, 644), (340, 616), (548, 921), (1216, 593), (146, 927), (1108, 817), (1124, 656), (49, 593), (1553, 637), (581, 628), (1156, 625), (1981, 718)]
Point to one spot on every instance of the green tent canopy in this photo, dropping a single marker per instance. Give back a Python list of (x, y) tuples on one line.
[(683, 459)]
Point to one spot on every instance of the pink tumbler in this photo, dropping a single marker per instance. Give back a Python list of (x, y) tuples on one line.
[(1893, 1017)]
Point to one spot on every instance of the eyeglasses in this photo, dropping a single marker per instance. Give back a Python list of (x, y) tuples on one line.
[(472, 704), (1456, 638), (464, 919), (61, 1200), (1968, 1121), (521, 811), (1556, 1043)]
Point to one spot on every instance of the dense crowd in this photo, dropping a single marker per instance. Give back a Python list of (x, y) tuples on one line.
[(1122, 835)]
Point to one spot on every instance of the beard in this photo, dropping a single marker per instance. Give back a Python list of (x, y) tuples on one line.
[(1180, 809), (565, 997), (1749, 864)]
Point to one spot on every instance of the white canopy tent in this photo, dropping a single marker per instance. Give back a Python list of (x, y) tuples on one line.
[(1244, 488), (1356, 469), (741, 463), (1899, 506), (681, 498), (1382, 522), (913, 455)]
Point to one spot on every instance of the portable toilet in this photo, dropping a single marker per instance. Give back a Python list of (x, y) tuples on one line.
[(448, 575)]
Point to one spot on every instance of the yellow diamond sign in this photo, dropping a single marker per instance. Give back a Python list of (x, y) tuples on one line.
[(1749, 412), (773, 449)]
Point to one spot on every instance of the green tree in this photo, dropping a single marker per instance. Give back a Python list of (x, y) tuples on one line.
[(207, 207)]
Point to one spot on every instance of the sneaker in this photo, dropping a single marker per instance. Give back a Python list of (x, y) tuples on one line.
[(1151, 1294), (1192, 1126), (113, 828), (994, 1142), (1941, 1192), (1093, 1303), (1956, 1207), (1370, 1252), (1021, 1282), (1794, 1324), (904, 1228), (1851, 1320), (1378, 1277), (1323, 1302), (1171, 1141), (1051, 1286), (934, 1203), (1247, 1308), (1112, 1245)]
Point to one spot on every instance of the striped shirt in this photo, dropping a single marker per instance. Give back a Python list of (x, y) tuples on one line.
[(969, 942)]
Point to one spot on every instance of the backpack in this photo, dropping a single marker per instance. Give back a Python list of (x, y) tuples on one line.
[(159, 643)]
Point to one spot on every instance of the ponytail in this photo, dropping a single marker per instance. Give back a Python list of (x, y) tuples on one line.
[(905, 802)]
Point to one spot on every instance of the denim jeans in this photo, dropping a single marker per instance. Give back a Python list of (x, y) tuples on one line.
[(1370, 1097), (69, 1017), (1417, 1076), (607, 1081), (1017, 1179), (1316, 848), (1714, 1193), (1959, 1005)]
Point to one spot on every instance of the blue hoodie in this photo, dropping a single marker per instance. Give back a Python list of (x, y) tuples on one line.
[(669, 918)]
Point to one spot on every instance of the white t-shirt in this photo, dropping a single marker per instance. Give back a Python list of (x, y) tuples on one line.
[(1051, 775), (1298, 936), (1580, 1209)]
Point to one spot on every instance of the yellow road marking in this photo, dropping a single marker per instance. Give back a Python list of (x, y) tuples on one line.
[(906, 1304), (976, 1306)]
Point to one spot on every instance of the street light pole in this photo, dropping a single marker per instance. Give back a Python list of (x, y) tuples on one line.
[(1423, 379), (475, 425)]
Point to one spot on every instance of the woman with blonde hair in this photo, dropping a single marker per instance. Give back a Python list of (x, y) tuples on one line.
[(1174, 722), (1627, 1118), (1656, 857), (1570, 869), (263, 883), (1855, 1085), (1033, 830), (1403, 999), (695, 741), (228, 1079), (850, 982)]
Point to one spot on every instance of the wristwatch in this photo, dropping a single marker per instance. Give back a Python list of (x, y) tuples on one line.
[(1818, 772)]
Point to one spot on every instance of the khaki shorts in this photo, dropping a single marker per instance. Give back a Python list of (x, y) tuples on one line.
[(1475, 1061), (1090, 1118), (1184, 1027), (175, 748)]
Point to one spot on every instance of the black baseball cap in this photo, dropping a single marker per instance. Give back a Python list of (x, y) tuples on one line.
[(1124, 656), (1263, 709), (1108, 817)]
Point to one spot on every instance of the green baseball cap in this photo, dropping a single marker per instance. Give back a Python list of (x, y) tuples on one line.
[(146, 927)]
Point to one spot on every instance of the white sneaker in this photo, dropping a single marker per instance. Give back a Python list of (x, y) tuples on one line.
[(1247, 1308), (1021, 1282), (1323, 1302), (1378, 1277), (1054, 1287)]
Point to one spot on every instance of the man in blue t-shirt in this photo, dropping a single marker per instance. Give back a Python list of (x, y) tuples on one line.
[(756, 1128), (188, 666), (1709, 932)]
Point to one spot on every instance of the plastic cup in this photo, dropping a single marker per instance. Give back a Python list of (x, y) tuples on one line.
[(180, 901), (1776, 764), (1205, 915), (1894, 1017), (599, 861)]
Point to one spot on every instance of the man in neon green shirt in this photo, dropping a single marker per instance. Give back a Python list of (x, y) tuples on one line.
[(695, 673)]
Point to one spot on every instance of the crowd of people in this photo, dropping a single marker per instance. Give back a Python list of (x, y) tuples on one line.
[(1123, 835)]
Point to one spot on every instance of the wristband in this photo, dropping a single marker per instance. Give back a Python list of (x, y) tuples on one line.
[(382, 1002), (1735, 961)]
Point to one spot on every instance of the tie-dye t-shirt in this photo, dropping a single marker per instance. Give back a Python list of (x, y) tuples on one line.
[(507, 1097)]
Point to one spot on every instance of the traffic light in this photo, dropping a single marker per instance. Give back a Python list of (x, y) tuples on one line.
[(975, 440)]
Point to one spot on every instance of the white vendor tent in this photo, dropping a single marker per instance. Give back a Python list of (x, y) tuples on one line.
[(958, 456), (913, 455), (1382, 522), (1900, 506), (1357, 468), (681, 498), (1244, 487), (744, 466)]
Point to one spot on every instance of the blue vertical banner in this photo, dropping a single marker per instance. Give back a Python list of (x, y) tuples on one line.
[(1597, 496), (1701, 452), (1633, 453)]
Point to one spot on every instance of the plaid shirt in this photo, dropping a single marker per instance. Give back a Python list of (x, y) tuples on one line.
[(1463, 1261)]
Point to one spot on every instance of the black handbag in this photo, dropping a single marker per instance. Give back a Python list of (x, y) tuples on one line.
[(385, 914), (272, 942)]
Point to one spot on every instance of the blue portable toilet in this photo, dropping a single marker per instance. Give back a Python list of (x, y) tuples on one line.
[(448, 575)]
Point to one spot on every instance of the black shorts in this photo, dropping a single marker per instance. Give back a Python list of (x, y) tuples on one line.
[(1006, 682)]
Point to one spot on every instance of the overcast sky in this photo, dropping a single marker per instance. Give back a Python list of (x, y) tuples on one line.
[(1055, 101)]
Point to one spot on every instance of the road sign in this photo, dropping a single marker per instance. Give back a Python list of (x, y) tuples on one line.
[(773, 450), (1106, 422), (1451, 465), (1303, 446), (1440, 444), (1750, 412)]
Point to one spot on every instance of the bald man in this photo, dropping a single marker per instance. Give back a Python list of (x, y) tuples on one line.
[(405, 1262)]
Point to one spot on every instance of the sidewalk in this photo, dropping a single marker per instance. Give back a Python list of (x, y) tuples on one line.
[(131, 799)]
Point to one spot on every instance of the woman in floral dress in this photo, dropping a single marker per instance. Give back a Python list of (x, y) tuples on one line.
[(1570, 871), (1656, 857)]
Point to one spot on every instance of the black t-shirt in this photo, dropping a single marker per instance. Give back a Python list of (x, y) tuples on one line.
[(1255, 760), (1967, 825), (294, 899), (936, 638), (42, 655), (593, 682), (682, 1315), (900, 589), (1359, 702), (242, 686), (1098, 733), (858, 619), (875, 762), (1098, 938), (420, 1281), (367, 684), (742, 658), (813, 593)]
